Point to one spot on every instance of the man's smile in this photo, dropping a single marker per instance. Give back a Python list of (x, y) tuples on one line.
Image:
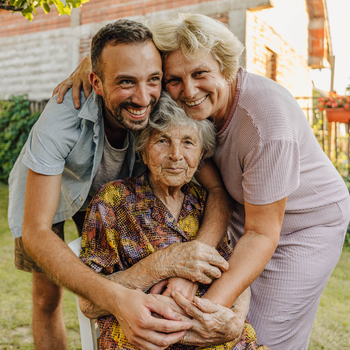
[(137, 112)]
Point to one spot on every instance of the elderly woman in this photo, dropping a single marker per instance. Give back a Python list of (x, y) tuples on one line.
[(129, 220), (285, 249)]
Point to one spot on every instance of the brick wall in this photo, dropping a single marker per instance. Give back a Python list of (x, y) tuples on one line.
[(35, 56), (13, 24), (261, 37), (35, 64), (98, 11)]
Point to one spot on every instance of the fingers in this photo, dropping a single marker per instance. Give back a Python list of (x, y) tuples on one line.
[(168, 326), (212, 271), (55, 90), (170, 302), (200, 272), (63, 87), (206, 305), (76, 84), (165, 311), (218, 261), (157, 341), (87, 88), (188, 306), (158, 288), (187, 288)]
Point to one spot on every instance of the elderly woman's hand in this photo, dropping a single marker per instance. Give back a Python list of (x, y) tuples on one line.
[(212, 323), (169, 301), (185, 287), (193, 260)]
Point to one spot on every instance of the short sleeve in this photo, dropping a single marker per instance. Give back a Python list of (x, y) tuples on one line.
[(111, 235), (99, 244), (51, 139), (271, 171)]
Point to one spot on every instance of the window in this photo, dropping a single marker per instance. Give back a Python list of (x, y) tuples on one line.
[(271, 64)]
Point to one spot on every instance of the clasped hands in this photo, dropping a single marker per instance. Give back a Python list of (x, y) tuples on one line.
[(191, 320)]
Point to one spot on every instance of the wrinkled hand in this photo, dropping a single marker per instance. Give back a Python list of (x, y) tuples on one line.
[(212, 323), (79, 78), (141, 328), (171, 303), (193, 260), (185, 287)]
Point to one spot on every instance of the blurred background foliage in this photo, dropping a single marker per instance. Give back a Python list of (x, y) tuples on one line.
[(16, 121)]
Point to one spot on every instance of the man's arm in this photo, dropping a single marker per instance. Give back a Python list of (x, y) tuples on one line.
[(132, 308)]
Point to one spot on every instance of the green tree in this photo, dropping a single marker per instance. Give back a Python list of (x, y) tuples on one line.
[(28, 7)]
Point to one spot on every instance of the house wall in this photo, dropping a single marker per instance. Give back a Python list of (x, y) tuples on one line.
[(282, 29), (36, 56)]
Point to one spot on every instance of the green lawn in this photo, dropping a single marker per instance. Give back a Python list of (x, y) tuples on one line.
[(331, 329)]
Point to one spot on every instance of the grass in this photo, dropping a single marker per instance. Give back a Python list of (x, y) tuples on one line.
[(331, 329), (15, 293)]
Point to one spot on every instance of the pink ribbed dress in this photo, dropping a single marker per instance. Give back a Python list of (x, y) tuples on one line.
[(267, 151)]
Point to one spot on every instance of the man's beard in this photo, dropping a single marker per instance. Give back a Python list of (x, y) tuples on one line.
[(129, 124)]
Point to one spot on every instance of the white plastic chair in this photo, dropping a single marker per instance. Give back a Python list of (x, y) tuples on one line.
[(89, 331)]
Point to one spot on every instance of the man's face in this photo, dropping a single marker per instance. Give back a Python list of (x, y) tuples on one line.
[(131, 85)]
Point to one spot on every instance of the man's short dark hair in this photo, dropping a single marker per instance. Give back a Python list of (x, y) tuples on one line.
[(123, 31)]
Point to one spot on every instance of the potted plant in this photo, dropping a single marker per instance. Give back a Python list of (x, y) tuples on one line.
[(337, 107), (28, 7)]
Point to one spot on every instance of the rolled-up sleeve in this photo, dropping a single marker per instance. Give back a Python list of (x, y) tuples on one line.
[(52, 138)]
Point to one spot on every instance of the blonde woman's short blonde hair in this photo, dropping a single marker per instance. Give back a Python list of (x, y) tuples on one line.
[(194, 32)]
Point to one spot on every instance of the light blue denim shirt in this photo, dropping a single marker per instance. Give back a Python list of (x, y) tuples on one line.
[(69, 142)]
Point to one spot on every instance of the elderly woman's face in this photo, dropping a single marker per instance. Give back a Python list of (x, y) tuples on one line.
[(173, 156), (198, 86)]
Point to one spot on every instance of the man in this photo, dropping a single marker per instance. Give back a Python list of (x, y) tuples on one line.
[(68, 155)]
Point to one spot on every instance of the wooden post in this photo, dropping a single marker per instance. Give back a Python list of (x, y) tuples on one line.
[(329, 139), (323, 130), (336, 143), (348, 129)]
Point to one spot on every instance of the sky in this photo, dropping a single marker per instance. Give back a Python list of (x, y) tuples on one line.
[(339, 21)]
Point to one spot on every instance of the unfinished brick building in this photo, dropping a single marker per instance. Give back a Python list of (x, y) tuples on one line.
[(284, 39)]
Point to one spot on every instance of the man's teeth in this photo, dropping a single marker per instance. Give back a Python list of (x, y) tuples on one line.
[(137, 111), (195, 103)]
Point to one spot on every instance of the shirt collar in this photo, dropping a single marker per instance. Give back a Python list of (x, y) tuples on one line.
[(92, 108)]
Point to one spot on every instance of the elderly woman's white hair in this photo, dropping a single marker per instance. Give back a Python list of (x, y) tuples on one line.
[(193, 32), (167, 115)]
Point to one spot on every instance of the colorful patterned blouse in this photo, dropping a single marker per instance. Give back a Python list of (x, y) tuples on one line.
[(125, 223)]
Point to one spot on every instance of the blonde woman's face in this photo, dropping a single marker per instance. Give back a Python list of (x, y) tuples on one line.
[(197, 85)]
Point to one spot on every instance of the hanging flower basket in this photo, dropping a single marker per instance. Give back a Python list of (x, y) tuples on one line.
[(340, 115), (337, 107)]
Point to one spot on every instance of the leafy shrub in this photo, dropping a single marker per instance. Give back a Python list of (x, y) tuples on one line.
[(15, 124), (347, 237)]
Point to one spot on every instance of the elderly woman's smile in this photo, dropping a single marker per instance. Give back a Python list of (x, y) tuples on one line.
[(173, 156)]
